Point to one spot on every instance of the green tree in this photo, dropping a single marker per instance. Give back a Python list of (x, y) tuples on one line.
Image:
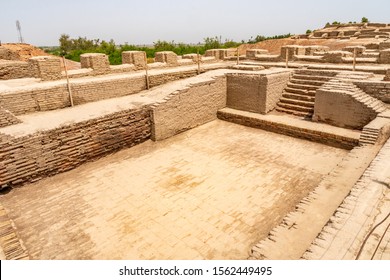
[(364, 20)]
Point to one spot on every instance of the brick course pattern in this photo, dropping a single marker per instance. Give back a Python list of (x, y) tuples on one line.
[(7, 118), (15, 70), (345, 105), (29, 158), (189, 107), (258, 93), (378, 89)]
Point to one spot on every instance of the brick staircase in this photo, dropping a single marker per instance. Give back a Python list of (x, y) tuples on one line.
[(299, 95), (369, 136)]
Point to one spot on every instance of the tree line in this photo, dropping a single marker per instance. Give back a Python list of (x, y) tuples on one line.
[(72, 48)]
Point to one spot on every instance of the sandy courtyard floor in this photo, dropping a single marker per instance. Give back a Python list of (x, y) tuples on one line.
[(209, 193)]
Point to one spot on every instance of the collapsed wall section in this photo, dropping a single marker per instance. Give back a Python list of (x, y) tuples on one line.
[(189, 107), (31, 157)]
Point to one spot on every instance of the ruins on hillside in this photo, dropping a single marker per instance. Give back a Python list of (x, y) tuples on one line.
[(221, 156)]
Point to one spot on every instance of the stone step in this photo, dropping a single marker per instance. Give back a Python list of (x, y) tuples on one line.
[(296, 107), (307, 82), (369, 136), (297, 102), (312, 72), (300, 86), (300, 91), (310, 77), (298, 96), (293, 112)]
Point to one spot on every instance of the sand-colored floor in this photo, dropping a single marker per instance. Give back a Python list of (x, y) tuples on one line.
[(209, 193)]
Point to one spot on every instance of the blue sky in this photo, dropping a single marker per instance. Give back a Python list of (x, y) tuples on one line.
[(143, 22)]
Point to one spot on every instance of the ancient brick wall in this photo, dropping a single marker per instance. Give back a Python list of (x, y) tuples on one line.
[(31, 157), (189, 107), (15, 70), (51, 97), (256, 93), (344, 105)]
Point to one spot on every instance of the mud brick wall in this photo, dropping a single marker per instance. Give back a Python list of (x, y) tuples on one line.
[(290, 130), (384, 56), (379, 90), (46, 68), (32, 157), (189, 107), (104, 88), (97, 61), (38, 99), (53, 97), (256, 93), (167, 57), (159, 79), (134, 57), (341, 109), (15, 70)]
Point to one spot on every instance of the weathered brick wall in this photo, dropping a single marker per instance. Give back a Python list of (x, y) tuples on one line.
[(256, 93), (341, 108), (51, 97), (189, 107), (377, 89), (384, 56), (15, 70), (290, 130), (29, 158), (33, 100), (47, 68)]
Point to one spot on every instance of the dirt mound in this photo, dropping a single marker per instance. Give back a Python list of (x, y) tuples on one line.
[(22, 52), (274, 46)]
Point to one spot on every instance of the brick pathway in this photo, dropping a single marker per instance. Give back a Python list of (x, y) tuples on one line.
[(209, 193)]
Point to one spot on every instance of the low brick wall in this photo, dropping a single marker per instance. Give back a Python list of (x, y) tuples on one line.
[(29, 158), (15, 70), (189, 107), (56, 96), (290, 130)]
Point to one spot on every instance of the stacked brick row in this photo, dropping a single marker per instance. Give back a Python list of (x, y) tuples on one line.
[(29, 158), (341, 103), (7, 118), (338, 141), (14, 70), (56, 96), (46, 68)]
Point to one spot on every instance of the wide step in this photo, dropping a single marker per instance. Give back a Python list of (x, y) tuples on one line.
[(297, 102), (296, 107)]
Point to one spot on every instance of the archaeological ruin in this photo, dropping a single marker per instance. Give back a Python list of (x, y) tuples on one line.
[(236, 154)]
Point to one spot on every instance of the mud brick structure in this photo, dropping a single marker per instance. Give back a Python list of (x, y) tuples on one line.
[(384, 56), (97, 61), (167, 57), (134, 57), (46, 68)]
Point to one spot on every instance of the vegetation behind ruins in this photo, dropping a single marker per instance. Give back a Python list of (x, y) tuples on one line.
[(73, 48)]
